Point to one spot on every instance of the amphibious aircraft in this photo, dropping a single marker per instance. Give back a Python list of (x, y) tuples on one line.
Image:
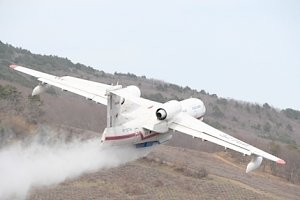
[(133, 120)]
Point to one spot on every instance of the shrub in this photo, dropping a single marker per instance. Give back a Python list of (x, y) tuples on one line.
[(267, 127), (292, 114), (217, 112)]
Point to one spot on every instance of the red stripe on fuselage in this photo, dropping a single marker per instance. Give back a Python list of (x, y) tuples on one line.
[(121, 137)]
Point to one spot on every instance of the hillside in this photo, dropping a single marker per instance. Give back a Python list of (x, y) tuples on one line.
[(227, 114), (168, 174), (271, 129)]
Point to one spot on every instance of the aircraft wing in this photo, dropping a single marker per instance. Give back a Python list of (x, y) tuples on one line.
[(196, 128), (91, 90), (146, 103)]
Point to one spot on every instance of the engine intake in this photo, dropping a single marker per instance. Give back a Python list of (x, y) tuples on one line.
[(168, 110), (161, 114)]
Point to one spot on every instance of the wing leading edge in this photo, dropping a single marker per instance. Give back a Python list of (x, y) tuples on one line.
[(191, 126), (91, 90)]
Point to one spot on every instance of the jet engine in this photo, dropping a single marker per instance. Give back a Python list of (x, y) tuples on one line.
[(168, 110), (132, 90), (193, 107)]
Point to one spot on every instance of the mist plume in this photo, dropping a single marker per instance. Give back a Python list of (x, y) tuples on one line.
[(48, 162)]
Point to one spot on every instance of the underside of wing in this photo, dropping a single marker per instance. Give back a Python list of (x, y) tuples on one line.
[(91, 90), (191, 126)]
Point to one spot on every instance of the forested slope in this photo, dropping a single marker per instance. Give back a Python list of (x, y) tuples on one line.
[(272, 129)]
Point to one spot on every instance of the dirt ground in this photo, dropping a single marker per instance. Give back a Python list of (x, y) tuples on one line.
[(173, 173)]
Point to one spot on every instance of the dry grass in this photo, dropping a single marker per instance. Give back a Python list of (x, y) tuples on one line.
[(19, 125), (159, 176)]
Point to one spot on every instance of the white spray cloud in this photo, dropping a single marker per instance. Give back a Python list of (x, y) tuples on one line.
[(34, 165)]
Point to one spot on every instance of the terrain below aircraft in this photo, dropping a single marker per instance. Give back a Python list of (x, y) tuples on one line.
[(134, 120)]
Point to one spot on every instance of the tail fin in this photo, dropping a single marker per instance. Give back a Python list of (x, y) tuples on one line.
[(113, 110)]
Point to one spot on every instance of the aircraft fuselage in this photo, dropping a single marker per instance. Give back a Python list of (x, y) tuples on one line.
[(136, 136)]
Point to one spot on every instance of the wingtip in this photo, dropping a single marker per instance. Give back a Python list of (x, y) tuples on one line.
[(280, 161), (13, 66)]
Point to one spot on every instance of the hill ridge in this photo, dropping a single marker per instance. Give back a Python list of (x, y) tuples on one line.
[(243, 120)]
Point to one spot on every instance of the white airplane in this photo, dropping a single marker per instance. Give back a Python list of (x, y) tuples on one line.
[(134, 120)]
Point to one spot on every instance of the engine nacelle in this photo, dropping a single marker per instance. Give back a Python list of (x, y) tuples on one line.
[(133, 90), (40, 89), (168, 110), (193, 107)]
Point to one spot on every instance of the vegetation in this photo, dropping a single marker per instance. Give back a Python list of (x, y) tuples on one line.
[(17, 113), (292, 114), (233, 116), (9, 93)]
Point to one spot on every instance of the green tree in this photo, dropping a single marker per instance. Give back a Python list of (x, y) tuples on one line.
[(292, 114), (289, 127), (34, 110), (275, 150), (217, 112), (266, 106), (267, 127)]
